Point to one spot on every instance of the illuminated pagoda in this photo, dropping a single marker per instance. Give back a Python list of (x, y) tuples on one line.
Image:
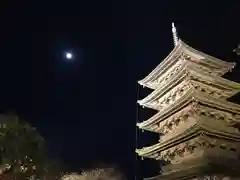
[(198, 127)]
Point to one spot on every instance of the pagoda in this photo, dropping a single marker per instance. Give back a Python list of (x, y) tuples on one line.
[(199, 129)]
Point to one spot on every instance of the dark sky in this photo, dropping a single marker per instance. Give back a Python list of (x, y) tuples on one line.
[(86, 109)]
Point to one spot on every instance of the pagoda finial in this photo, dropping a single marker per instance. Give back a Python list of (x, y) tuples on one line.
[(175, 38)]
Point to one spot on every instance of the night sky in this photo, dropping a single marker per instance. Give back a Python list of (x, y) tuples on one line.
[(86, 108)]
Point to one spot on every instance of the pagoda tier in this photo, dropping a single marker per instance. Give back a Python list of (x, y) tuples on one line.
[(163, 72), (199, 133), (189, 77), (193, 104)]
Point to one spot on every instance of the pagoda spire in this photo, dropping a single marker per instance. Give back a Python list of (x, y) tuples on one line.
[(175, 37)]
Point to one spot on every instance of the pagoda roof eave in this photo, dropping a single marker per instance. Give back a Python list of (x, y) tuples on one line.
[(196, 130), (164, 63), (186, 99), (214, 60), (219, 81), (148, 151), (159, 129), (218, 103), (172, 58), (161, 90)]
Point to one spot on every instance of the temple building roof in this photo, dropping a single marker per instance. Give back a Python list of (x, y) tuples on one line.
[(218, 66)]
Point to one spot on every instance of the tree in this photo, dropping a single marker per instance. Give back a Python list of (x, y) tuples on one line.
[(102, 173), (21, 148)]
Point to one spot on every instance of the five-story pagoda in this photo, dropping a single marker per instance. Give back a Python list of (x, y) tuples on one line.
[(198, 128)]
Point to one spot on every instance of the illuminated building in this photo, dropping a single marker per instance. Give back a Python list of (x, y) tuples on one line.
[(198, 127)]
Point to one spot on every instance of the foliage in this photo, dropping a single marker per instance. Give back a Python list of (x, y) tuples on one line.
[(105, 173), (22, 148), (102, 174)]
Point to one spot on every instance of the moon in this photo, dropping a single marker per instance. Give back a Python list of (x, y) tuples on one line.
[(69, 55)]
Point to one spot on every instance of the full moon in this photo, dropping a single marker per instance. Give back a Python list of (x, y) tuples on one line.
[(69, 55)]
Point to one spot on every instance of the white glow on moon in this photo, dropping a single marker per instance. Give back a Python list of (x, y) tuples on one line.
[(69, 55)]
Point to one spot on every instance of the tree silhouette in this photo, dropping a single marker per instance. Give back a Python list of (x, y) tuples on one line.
[(22, 148)]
